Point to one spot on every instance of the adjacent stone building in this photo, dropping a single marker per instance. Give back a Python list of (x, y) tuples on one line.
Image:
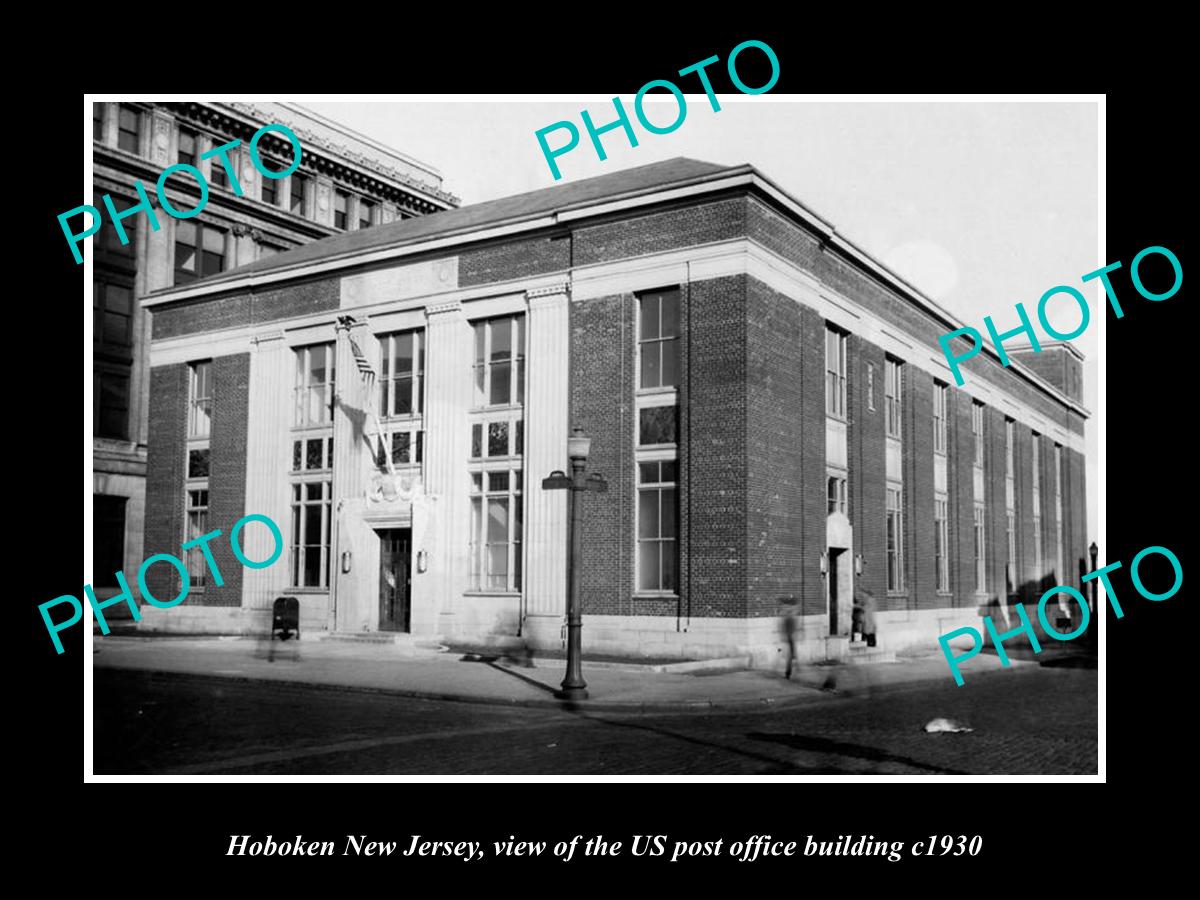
[(346, 182), (767, 402)]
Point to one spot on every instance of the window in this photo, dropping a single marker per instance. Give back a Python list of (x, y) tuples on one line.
[(1010, 529), (315, 374), (835, 373), (197, 526), (871, 387), (98, 135), (296, 204), (199, 250), (891, 396), (1009, 424), (129, 129), (977, 432), (112, 317), (187, 147), (836, 493), (496, 514), (940, 392), (116, 254), (401, 398), (941, 543), (108, 538), (403, 357), (199, 429), (658, 338), (110, 401), (311, 513), (217, 174), (658, 520), (341, 202), (270, 191), (200, 400), (364, 213), (500, 361), (312, 465), (980, 551), (895, 541), (657, 425)]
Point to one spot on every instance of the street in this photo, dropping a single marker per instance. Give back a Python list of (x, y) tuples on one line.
[(1026, 720)]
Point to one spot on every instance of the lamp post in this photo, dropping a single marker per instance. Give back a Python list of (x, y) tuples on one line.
[(578, 447), (1095, 551)]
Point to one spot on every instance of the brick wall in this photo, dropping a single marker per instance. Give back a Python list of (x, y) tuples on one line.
[(246, 308), (1026, 580), (997, 510), (779, 235), (165, 457), (776, 427), (960, 478), (1075, 507), (812, 460), (918, 484), (602, 341), (717, 460), (227, 473), (669, 229), (868, 468), (522, 258)]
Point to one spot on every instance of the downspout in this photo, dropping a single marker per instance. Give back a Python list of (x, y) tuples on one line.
[(688, 326)]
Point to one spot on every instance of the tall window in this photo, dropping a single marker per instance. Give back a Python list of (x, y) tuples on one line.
[(401, 397), (1009, 425), (496, 513), (187, 147), (977, 432), (270, 191), (199, 250), (1010, 528), (108, 538), (871, 387), (199, 430), (217, 174), (892, 396), (835, 373), (940, 392), (1060, 574), (129, 129), (497, 450), (658, 338), (341, 204), (980, 551), (1037, 506), (895, 540), (941, 543), (658, 523), (98, 135), (364, 213), (312, 465), (296, 204), (836, 492)]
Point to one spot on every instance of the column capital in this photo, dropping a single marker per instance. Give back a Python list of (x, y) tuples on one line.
[(438, 309), (553, 290)]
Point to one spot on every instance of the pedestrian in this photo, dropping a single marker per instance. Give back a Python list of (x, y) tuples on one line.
[(863, 615), (791, 625)]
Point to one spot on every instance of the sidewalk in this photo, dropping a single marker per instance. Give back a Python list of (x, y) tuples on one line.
[(477, 678)]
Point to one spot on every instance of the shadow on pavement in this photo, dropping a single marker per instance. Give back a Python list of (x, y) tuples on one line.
[(491, 661), (840, 748)]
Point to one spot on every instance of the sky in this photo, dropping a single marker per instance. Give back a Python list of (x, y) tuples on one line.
[(981, 205)]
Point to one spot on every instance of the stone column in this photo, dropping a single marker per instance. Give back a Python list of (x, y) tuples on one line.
[(162, 137), (387, 212), (350, 592), (445, 537), (268, 460), (547, 367), (249, 176), (111, 124)]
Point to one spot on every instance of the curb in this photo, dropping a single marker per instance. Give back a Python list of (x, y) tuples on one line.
[(530, 702)]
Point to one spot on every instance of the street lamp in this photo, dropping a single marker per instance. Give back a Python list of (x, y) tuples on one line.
[(578, 447), (1095, 551)]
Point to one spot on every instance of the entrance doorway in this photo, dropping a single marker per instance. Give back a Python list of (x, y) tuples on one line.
[(395, 581), (840, 591)]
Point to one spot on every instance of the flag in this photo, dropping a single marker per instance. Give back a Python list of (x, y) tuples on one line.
[(360, 360)]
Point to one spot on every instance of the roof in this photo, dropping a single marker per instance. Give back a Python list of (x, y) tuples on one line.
[(529, 205)]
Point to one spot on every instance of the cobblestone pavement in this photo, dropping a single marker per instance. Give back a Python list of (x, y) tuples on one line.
[(1032, 720)]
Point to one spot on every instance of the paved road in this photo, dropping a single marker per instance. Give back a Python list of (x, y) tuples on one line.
[(1033, 720)]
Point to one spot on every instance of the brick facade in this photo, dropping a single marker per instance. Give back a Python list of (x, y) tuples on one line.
[(812, 460), (165, 462), (868, 475), (961, 475), (918, 488), (227, 473), (234, 310)]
